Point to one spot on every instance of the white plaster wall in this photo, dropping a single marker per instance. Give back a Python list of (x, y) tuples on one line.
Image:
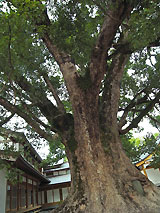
[(3, 186), (43, 197), (64, 193), (39, 198), (153, 175), (49, 196), (56, 195)]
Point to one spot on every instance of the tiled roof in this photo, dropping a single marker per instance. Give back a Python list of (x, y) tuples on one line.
[(61, 167)]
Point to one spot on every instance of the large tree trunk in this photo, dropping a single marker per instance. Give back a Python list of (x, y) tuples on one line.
[(103, 178)]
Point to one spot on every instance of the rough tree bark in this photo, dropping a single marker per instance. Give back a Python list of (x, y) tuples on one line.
[(105, 181), (103, 178)]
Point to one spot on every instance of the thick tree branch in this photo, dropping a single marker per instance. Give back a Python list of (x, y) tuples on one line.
[(18, 93), (143, 113), (33, 99), (11, 67), (38, 97), (155, 43), (154, 120), (56, 97), (15, 137), (27, 109), (132, 104), (98, 4), (67, 67), (60, 56), (63, 59), (14, 109), (125, 47), (9, 50), (58, 120), (115, 15), (111, 92), (6, 120)]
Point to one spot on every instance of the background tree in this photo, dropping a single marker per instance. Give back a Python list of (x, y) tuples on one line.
[(88, 71), (138, 148)]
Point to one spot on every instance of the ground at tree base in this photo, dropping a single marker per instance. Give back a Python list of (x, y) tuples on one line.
[(151, 204)]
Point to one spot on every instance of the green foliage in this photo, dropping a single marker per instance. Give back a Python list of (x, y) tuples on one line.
[(136, 148), (56, 152), (74, 27), (13, 174), (8, 156), (84, 81), (12, 146), (140, 83), (77, 25), (143, 24), (67, 106), (156, 122)]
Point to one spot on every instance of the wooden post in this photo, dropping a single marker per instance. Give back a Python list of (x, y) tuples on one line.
[(10, 197), (36, 187), (144, 170), (45, 197), (26, 192), (18, 195), (61, 194), (32, 194)]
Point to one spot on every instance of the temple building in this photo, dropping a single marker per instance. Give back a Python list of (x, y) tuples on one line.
[(37, 188), (151, 173)]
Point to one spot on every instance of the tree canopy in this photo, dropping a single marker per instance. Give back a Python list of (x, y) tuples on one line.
[(32, 86), (85, 70)]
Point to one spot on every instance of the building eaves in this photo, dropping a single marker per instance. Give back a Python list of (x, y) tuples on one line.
[(25, 166), (61, 167), (60, 179)]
